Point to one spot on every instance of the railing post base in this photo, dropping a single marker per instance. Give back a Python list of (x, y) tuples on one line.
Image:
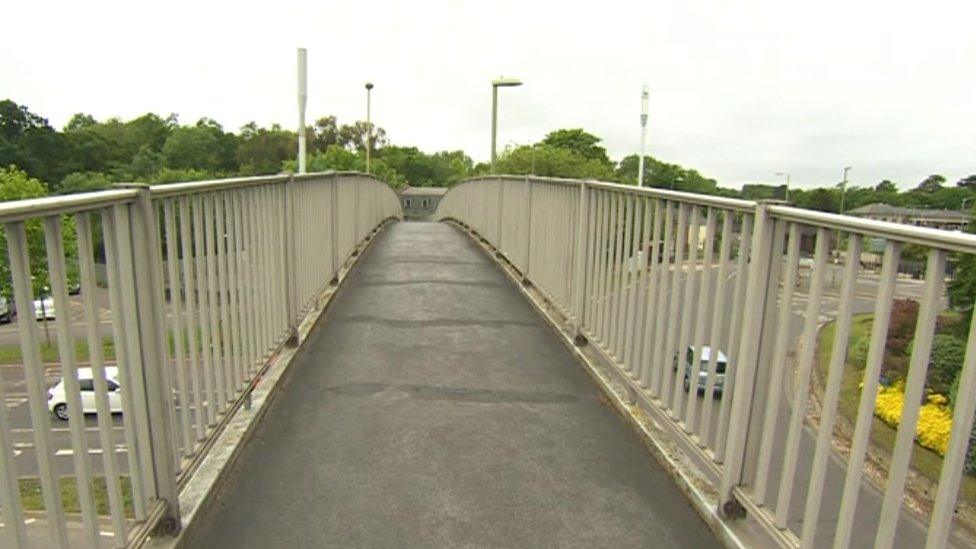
[(732, 509), (292, 341)]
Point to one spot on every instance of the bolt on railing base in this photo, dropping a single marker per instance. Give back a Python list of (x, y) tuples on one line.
[(292, 340), (732, 509)]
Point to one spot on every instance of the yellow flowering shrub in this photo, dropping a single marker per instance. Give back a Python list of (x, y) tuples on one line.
[(934, 421)]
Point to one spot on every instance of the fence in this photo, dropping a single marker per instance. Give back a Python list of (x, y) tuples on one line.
[(206, 281), (699, 302)]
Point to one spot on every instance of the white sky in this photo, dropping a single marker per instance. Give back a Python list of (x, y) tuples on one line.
[(739, 90)]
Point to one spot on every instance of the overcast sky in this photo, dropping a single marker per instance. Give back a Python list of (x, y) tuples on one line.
[(739, 90)]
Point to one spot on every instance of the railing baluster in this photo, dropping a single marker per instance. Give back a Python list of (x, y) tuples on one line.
[(673, 357), (703, 313), (805, 369), (20, 274), (115, 223), (717, 326), (738, 304), (651, 327), (918, 367), (176, 318), (777, 366), (190, 300), (869, 392), (661, 362)]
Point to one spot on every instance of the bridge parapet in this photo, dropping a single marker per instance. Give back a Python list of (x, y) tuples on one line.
[(205, 283), (730, 297)]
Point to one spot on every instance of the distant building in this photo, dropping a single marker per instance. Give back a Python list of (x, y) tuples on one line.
[(419, 203), (950, 220)]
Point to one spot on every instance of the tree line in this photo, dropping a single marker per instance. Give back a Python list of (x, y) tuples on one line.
[(88, 154)]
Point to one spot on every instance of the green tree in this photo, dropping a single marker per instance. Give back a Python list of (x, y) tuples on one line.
[(886, 186), (84, 182), (551, 161), (931, 183), (203, 146), (962, 287), (262, 151), (967, 182), (15, 184), (579, 142)]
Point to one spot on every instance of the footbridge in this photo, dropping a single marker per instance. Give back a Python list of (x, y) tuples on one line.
[(282, 361)]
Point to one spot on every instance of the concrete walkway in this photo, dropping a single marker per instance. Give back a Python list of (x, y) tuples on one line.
[(431, 407)]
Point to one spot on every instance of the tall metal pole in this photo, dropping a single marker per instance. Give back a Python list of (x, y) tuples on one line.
[(643, 120), (787, 174), (302, 100), (494, 123), (843, 189), (369, 123)]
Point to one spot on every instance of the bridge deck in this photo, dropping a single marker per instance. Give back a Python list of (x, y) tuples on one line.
[(432, 407)]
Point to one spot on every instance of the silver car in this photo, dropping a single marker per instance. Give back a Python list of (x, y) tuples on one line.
[(721, 361)]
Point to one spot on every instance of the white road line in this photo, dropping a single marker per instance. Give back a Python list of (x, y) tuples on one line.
[(63, 430), (93, 451)]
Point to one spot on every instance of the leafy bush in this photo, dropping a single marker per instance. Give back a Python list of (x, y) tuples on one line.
[(901, 331), (971, 453), (858, 352), (945, 362)]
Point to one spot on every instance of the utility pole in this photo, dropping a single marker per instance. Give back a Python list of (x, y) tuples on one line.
[(302, 100), (369, 123), (643, 120), (787, 174), (843, 189)]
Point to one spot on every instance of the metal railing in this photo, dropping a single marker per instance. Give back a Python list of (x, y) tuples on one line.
[(701, 303), (205, 282)]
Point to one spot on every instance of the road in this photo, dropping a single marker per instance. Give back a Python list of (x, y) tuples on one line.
[(18, 414), (911, 531)]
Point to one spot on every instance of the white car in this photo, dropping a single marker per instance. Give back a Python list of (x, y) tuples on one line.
[(44, 308), (721, 362), (57, 401)]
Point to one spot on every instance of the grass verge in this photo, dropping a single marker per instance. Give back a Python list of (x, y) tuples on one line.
[(32, 498)]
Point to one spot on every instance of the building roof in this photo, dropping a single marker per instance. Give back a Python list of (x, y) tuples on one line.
[(917, 213), (424, 191)]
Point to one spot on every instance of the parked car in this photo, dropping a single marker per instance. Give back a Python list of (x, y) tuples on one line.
[(57, 400), (7, 310), (721, 362), (44, 308)]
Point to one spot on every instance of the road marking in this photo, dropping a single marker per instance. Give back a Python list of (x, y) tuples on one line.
[(92, 451), (13, 402), (22, 431)]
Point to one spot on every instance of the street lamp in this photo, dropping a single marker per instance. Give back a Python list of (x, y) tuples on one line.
[(495, 84), (843, 189), (369, 123), (643, 120), (302, 99), (787, 174)]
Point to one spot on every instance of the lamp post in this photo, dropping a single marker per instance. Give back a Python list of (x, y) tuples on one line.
[(369, 123), (843, 189), (787, 174), (645, 93), (302, 100), (495, 84)]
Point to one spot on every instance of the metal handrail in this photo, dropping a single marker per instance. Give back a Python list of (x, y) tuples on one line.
[(20, 210), (925, 236)]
